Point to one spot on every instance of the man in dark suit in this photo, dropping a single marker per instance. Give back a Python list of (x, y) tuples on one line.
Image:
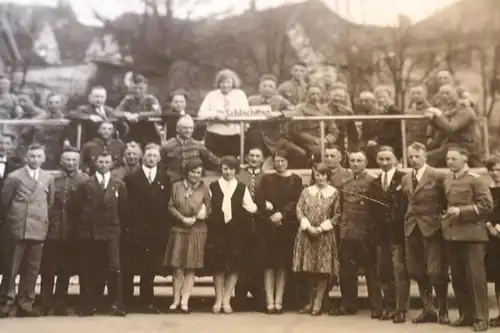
[(425, 248), (388, 211), (100, 209), (464, 229), (27, 196), (251, 278), (91, 115), (59, 249), (144, 235)]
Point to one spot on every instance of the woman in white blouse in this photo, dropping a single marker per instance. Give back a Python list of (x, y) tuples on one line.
[(225, 101), (227, 227), (315, 251)]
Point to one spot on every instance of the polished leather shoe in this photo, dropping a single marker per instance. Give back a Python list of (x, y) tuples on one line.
[(399, 318), (342, 312), (376, 314), (27, 313), (45, 311), (426, 317), (306, 309), (443, 318), (495, 322), (462, 322), (316, 312), (87, 312), (117, 311), (480, 326)]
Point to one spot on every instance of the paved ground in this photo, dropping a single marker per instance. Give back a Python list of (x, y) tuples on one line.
[(208, 323)]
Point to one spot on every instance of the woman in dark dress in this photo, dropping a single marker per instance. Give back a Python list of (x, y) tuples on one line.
[(493, 225), (232, 205), (282, 189)]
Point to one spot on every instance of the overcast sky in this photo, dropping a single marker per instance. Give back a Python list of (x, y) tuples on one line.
[(382, 12)]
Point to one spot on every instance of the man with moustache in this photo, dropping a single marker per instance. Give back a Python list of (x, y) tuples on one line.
[(59, 249), (100, 210), (457, 126), (104, 142), (388, 212), (91, 115), (27, 196), (464, 229), (426, 258), (295, 89), (356, 247), (251, 278), (144, 234)]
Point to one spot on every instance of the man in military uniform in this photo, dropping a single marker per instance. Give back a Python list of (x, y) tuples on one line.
[(356, 249), (104, 142), (338, 105), (457, 125), (131, 161), (59, 246), (295, 89), (333, 159), (251, 278), (425, 248), (418, 130), (464, 229), (388, 211)]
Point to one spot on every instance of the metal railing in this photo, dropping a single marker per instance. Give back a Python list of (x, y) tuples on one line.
[(243, 121)]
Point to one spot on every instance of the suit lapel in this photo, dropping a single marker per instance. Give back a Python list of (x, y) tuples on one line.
[(96, 187), (30, 182)]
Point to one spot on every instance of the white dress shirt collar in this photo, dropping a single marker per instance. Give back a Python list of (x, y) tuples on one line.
[(34, 173), (150, 172), (420, 172), (106, 176), (390, 175)]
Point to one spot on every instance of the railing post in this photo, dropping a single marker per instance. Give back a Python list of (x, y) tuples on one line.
[(79, 136), (403, 139), (242, 141), (322, 139), (486, 138)]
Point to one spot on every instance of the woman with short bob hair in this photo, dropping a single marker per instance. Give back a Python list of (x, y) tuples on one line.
[(315, 252), (190, 206), (227, 100), (231, 205)]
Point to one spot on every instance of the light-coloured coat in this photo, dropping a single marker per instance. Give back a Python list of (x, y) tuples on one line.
[(26, 203)]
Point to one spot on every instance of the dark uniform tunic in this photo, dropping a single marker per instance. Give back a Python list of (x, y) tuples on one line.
[(466, 235), (293, 91), (357, 249), (92, 149), (493, 251), (59, 247)]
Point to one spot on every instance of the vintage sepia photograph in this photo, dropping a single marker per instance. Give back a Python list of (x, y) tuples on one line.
[(249, 166)]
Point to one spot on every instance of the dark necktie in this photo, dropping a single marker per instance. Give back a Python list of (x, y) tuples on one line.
[(385, 181), (414, 178), (251, 186), (103, 181)]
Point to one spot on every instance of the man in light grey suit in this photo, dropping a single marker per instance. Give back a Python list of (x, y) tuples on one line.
[(27, 195)]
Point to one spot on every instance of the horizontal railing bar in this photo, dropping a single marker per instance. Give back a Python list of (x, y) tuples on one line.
[(48, 122)]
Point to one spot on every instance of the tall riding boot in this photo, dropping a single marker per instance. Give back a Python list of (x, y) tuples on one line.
[(429, 314), (442, 301), (115, 294)]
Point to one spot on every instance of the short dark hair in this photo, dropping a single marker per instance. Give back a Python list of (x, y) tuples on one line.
[(491, 162), (231, 162), (178, 92), (320, 168), (358, 151), (329, 145), (268, 77), (256, 147), (385, 148), (418, 146), (139, 78), (104, 153), (460, 150), (36, 146), (190, 165), (283, 153), (106, 122), (152, 145)]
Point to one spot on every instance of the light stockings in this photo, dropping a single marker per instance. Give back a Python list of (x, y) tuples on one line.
[(182, 285), (274, 285), (224, 286)]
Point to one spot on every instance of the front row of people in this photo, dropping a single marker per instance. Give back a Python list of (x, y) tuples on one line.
[(393, 227)]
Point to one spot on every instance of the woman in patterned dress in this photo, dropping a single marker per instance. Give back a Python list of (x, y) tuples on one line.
[(232, 205), (315, 251), (282, 189), (189, 205), (493, 250)]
